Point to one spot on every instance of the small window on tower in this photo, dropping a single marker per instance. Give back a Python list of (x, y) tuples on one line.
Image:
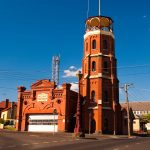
[(94, 44), (105, 96), (85, 68), (93, 66), (105, 46), (86, 46), (105, 67), (93, 96)]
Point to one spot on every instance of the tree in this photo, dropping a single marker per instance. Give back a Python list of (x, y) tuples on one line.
[(146, 118), (1, 121)]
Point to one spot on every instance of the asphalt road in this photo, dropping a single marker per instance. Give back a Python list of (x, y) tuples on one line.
[(38, 141)]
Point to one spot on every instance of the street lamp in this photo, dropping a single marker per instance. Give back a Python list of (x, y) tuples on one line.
[(90, 121), (78, 131), (54, 113)]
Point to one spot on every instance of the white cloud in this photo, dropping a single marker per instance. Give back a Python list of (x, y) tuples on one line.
[(74, 87), (71, 72), (72, 68)]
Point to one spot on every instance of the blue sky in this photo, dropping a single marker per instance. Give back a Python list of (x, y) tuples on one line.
[(32, 31)]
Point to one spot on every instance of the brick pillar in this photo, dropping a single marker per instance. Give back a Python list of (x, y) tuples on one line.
[(66, 97), (19, 108)]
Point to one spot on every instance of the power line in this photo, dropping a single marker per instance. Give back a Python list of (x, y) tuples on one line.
[(121, 67)]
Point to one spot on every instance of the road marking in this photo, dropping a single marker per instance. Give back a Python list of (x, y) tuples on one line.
[(46, 142), (55, 141), (12, 146), (138, 143), (62, 140), (77, 139), (35, 143), (70, 140), (25, 144), (33, 135), (116, 149)]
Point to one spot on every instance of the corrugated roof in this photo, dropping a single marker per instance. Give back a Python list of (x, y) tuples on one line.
[(138, 106)]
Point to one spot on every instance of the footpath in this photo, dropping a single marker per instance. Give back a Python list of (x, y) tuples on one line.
[(66, 134)]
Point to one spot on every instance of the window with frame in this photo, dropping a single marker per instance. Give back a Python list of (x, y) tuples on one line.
[(86, 46), (105, 44), (94, 44), (85, 68), (93, 96), (93, 66), (105, 66), (105, 96)]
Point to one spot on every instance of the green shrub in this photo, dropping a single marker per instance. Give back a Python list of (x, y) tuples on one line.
[(2, 121), (6, 122), (9, 128)]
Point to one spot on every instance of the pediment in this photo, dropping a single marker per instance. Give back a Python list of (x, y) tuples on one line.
[(43, 84)]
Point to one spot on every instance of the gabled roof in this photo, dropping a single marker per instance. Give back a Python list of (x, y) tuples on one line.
[(3, 104), (6, 109), (43, 83), (138, 106)]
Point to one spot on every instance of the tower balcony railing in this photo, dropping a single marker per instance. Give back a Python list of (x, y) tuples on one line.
[(99, 23)]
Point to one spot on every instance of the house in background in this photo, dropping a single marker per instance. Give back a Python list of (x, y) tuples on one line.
[(4, 104), (9, 113), (139, 109)]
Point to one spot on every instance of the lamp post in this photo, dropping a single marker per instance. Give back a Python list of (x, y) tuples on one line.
[(78, 131), (90, 121), (54, 112)]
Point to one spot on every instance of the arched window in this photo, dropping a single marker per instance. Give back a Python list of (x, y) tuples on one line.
[(94, 44), (105, 66), (105, 46), (93, 66), (93, 95), (105, 96)]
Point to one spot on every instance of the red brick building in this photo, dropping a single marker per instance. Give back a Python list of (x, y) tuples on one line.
[(46, 108), (99, 84)]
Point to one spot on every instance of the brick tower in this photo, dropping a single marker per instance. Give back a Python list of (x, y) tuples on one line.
[(99, 83)]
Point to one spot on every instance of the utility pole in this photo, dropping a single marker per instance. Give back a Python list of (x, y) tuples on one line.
[(78, 128), (126, 86)]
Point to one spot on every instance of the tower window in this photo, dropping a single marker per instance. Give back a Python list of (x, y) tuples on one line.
[(85, 68), (105, 46), (93, 96), (93, 66), (105, 66), (94, 44), (86, 46), (105, 96)]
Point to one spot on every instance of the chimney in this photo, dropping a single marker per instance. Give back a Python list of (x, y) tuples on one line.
[(6, 103)]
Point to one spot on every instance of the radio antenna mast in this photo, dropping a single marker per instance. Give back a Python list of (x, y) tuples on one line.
[(88, 7), (99, 9)]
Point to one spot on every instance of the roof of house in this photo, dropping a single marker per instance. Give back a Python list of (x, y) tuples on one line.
[(3, 104), (6, 109), (138, 106)]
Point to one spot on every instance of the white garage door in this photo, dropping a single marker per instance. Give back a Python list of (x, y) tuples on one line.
[(43, 123)]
